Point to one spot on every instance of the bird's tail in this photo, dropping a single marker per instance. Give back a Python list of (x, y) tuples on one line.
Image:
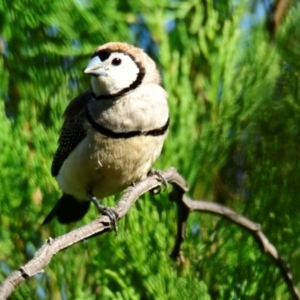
[(67, 210)]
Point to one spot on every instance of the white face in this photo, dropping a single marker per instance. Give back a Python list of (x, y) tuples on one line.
[(113, 74)]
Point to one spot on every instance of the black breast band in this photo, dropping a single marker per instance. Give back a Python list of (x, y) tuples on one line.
[(125, 135)]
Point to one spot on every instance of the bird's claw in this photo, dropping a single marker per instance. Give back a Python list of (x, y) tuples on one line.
[(107, 211), (113, 217), (160, 175), (162, 178)]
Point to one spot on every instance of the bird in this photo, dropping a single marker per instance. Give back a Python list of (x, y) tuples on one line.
[(112, 133)]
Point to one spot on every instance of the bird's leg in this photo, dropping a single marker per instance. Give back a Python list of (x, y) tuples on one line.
[(108, 211), (161, 176)]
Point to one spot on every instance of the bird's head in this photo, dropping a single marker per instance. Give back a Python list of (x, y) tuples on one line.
[(118, 68)]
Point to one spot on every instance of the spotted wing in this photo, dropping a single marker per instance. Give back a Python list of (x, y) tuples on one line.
[(72, 132)]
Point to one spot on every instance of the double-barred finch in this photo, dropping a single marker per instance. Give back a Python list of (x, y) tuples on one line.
[(112, 133)]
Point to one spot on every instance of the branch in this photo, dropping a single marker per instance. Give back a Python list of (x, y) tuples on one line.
[(253, 228), (275, 15), (185, 206), (102, 224)]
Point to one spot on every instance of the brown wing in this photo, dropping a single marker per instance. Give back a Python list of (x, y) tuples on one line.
[(72, 131)]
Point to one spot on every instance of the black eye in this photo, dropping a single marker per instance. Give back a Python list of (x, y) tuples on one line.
[(116, 61)]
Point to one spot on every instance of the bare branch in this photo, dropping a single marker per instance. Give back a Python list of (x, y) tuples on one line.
[(185, 206), (44, 255), (253, 228)]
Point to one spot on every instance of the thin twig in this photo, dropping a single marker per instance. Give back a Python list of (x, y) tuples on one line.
[(253, 228)]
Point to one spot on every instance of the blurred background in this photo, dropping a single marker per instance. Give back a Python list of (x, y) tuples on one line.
[(231, 68)]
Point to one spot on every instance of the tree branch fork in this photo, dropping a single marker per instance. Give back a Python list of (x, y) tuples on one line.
[(185, 206)]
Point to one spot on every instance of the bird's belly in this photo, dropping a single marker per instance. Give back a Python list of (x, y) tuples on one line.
[(106, 166)]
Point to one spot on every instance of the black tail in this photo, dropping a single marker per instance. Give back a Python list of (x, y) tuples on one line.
[(68, 210)]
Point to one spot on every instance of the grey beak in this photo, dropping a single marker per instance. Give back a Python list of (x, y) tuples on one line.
[(95, 67)]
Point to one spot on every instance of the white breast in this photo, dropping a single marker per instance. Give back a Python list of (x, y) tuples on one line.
[(106, 166)]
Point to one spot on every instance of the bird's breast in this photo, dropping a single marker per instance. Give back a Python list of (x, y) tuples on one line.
[(105, 166)]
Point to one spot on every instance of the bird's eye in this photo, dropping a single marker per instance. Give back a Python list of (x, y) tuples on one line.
[(116, 61)]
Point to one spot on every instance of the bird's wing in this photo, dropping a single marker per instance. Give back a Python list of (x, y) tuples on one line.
[(72, 131)]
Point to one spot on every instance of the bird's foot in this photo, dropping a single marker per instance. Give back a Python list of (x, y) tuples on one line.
[(162, 178), (107, 211)]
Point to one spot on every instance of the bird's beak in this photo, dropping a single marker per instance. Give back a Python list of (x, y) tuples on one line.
[(95, 67)]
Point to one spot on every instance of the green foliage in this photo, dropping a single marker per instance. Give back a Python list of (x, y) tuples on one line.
[(235, 115)]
